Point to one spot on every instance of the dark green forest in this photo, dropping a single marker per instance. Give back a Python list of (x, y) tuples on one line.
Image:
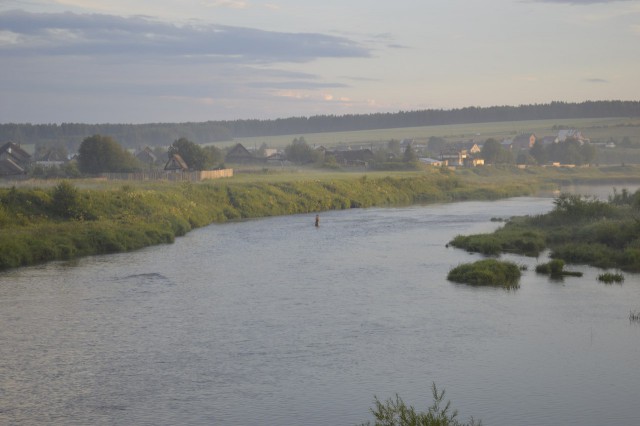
[(163, 134)]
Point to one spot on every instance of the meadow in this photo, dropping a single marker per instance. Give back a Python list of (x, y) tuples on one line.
[(597, 129)]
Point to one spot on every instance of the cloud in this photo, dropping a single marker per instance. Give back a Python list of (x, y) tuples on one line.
[(232, 4), (577, 2), (97, 35), (295, 85), (597, 80)]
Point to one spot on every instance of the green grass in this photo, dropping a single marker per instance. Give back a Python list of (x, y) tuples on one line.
[(395, 412), (488, 272), (52, 220), (67, 220), (610, 278), (579, 230), (598, 129)]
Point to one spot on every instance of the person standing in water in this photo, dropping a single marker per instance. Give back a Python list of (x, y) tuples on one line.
[(317, 220)]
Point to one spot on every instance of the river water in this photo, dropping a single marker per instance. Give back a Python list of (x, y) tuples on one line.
[(277, 322)]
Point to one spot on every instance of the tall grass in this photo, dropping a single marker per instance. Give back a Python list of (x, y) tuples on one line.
[(488, 272), (66, 221), (578, 230)]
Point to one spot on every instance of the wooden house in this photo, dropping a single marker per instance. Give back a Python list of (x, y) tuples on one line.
[(176, 163), (51, 158), (523, 141), (13, 160), (358, 157), (239, 154), (565, 134), (147, 156)]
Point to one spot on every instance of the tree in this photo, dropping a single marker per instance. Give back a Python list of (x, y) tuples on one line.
[(263, 149), (538, 152), (214, 154), (436, 145), (393, 146), (101, 154), (300, 152), (192, 153), (410, 155), (491, 150), (494, 153)]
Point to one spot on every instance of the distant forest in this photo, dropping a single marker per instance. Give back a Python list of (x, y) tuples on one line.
[(163, 134)]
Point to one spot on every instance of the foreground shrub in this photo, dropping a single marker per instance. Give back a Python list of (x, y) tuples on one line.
[(488, 272), (397, 413)]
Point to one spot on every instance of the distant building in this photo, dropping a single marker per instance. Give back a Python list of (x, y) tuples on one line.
[(13, 160), (176, 163), (147, 156), (565, 134), (431, 162), (239, 154), (359, 157), (523, 141), (51, 158)]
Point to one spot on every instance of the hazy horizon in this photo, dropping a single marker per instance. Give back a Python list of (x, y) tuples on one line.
[(85, 61)]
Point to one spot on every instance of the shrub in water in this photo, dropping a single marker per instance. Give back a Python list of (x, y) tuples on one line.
[(488, 272), (609, 278)]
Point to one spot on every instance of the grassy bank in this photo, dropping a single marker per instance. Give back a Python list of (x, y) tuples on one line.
[(68, 220), (578, 230)]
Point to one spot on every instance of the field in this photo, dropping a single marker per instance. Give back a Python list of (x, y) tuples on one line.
[(597, 129)]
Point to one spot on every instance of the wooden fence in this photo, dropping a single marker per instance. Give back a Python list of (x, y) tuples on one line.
[(196, 176)]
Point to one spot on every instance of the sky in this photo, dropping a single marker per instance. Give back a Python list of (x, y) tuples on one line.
[(147, 61)]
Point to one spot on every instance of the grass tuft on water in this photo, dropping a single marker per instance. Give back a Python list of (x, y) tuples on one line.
[(488, 272)]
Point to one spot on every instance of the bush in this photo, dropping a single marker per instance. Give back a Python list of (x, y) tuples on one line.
[(610, 278), (488, 272), (555, 268), (397, 413)]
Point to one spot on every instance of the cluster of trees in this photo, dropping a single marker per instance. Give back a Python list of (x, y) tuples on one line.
[(71, 135), (570, 151), (102, 154), (161, 134), (196, 156), (299, 152)]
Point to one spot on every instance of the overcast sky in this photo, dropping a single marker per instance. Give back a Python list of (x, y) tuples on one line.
[(145, 61)]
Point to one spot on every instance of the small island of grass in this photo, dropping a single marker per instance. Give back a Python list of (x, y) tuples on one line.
[(555, 269), (488, 272)]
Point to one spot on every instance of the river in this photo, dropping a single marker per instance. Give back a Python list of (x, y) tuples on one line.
[(277, 322)]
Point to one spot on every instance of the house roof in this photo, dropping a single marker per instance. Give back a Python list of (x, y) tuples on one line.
[(176, 162), (239, 151), (18, 154), (52, 155), (9, 167), (360, 154), (147, 156)]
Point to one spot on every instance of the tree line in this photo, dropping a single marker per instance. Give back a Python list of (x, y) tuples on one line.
[(162, 134)]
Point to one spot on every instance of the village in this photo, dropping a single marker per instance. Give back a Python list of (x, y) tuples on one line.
[(524, 150)]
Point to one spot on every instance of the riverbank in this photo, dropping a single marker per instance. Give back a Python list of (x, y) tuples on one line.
[(62, 220), (71, 220)]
